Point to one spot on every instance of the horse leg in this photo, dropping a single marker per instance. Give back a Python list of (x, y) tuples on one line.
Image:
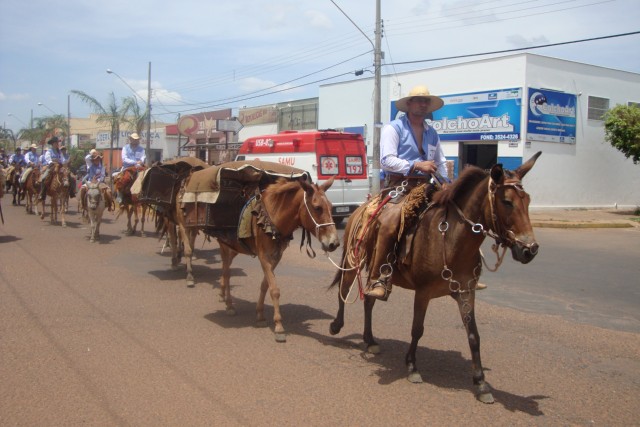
[(189, 238), (227, 254), (346, 281), (143, 213), (420, 304), (62, 213), (92, 221), (130, 229), (269, 263), (173, 242), (466, 306)]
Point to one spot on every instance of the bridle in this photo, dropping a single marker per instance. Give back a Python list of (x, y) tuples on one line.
[(498, 231), (318, 226), (305, 233)]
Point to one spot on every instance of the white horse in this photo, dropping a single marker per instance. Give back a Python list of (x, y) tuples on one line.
[(95, 209)]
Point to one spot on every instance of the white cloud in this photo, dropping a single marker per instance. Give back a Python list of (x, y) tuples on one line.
[(318, 19)]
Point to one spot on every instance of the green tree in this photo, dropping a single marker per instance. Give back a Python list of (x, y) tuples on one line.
[(622, 130), (111, 114)]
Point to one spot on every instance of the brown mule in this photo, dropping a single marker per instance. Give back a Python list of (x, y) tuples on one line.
[(444, 256)]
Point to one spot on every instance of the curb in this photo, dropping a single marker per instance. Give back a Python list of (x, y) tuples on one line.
[(582, 225)]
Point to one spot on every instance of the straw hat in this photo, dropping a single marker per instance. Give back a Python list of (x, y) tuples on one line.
[(96, 155), (134, 136), (420, 92), (34, 146), (93, 151)]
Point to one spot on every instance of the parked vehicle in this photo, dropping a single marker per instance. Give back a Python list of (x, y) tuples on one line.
[(323, 153)]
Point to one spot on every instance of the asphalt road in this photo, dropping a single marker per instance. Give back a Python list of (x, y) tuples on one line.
[(107, 334)]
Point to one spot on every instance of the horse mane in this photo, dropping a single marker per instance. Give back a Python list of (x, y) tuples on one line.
[(282, 186), (461, 187)]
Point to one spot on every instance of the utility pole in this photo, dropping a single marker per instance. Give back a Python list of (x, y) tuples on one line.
[(377, 119), (149, 117)]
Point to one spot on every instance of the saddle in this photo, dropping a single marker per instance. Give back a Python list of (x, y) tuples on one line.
[(214, 198), (159, 185)]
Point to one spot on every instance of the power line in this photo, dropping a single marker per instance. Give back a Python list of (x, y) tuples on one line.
[(516, 49)]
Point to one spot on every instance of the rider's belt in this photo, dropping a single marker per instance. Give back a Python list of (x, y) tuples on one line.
[(395, 179)]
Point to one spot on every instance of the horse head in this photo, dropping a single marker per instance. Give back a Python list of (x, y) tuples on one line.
[(509, 205), (94, 195), (316, 214)]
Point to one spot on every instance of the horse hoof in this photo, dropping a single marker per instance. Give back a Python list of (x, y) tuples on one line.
[(483, 393), (373, 349), (280, 336), (334, 329), (415, 378), (486, 398), (261, 323), (230, 311), (92, 240), (191, 284)]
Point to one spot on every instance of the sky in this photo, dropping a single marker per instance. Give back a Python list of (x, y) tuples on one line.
[(211, 55)]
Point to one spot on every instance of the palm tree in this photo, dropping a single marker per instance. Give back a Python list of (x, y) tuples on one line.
[(110, 114)]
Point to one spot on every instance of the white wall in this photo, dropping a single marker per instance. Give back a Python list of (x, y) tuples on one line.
[(257, 130), (589, 173)]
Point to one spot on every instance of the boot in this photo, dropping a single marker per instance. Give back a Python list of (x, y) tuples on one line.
[(43, 192), (379, 289)]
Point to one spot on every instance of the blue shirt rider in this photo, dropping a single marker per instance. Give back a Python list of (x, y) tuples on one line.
[(31, 157), (409, 151), (53, 155)]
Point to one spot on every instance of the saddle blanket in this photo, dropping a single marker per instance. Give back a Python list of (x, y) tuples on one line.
[(215, 197)]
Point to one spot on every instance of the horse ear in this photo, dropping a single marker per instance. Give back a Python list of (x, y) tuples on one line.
[(523, 169), (306, 185), (497, 173), (327, 184)]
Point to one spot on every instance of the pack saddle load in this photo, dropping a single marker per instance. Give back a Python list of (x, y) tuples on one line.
[(221, 200)]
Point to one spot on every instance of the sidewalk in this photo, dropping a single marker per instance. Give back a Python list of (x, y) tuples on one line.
[(583, 218)]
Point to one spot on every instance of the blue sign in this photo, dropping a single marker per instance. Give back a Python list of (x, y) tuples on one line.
[(478, 116), (552, 116)]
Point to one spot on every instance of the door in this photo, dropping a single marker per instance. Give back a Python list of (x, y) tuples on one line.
[(482, 155)]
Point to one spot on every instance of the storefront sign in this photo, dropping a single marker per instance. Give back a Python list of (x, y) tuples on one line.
[(551, 116)]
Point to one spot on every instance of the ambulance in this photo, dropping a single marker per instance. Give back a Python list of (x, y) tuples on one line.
[(323, 153)]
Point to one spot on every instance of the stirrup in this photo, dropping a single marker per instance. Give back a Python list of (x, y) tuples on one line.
[(379, 289)]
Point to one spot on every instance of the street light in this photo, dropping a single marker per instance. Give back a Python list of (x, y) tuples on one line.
[(43, 105), (148, 102), (18, 119)]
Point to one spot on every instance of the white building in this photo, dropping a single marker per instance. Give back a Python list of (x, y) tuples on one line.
[(505, 110)]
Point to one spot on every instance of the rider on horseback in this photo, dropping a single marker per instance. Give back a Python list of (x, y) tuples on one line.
[(133, 155), (96, 172), (53, 155), (410, 152), (66, 158), (31, 159)]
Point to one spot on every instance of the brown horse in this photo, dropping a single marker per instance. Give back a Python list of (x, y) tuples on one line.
[(284, 206), (57, 187), (444, 256), (129, 203), (17, 189), (32, 190)]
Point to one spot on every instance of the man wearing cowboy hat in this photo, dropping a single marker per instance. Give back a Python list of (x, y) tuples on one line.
[(65, 158), (17, 158), (96, 172), (31, 157), (410, 152), (88, 157), (132, 153), (53, 155)]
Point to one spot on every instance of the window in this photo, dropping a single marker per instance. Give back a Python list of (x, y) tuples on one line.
[(329, 165), (597, 107), (354, 165), (633, 104)]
